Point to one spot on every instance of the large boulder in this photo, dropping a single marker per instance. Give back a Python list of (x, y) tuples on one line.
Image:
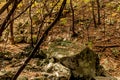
[(84, 65)]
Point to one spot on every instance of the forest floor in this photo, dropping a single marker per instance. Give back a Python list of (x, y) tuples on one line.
[(107, 47), (104, 40)]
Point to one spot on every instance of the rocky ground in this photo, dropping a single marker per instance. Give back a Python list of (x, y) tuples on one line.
[(104, 40), (47, 68)]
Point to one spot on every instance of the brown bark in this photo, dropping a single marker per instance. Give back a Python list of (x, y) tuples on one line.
[(31, 27), (98, 12), (93, 14), (74, 34), (5, 6), (11, 31)]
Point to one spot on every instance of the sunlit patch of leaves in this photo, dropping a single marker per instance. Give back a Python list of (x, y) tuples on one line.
[(61, 42), (63, 21), (118, 8), (86, 1), (115, 52), (110, 21)]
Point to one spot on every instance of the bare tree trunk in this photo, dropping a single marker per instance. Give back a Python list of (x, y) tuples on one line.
[(74, 34), (31, 27), (93, 14), (98, 11), (44, 17), (11, 33)]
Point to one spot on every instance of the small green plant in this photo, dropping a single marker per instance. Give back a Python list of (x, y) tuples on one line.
[(63, 21), (118, 8), (89, 44), (19, 38), (34, 38), (115, 52), (111, 5)]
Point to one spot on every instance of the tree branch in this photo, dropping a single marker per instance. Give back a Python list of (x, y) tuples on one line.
[(21, 13), (40, 41), (3, 25), (5, 6)]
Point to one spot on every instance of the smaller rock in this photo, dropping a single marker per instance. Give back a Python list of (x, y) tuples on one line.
[(19, 38), (5, 75), (56, 71), (37, 78), (104, 78), (22, 78)]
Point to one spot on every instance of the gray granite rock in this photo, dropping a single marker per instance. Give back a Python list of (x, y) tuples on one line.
[(56, 71)]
